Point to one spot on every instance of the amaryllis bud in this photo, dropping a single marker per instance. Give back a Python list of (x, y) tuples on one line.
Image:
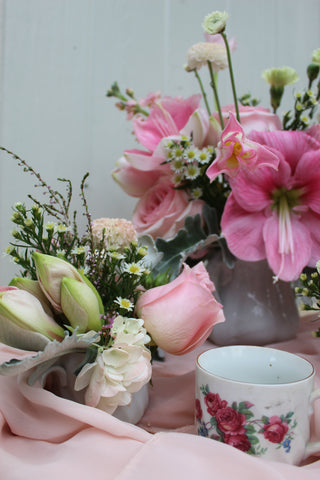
[(33, 287), (80, 305), (50, 272), (22, 313)]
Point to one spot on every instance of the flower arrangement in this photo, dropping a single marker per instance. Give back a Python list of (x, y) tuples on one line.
[(92, 306), (251, 176)]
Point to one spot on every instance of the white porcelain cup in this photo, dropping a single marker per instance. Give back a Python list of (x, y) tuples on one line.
[(258, 400)]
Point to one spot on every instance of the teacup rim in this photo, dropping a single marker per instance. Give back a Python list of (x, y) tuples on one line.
[(240, 382)]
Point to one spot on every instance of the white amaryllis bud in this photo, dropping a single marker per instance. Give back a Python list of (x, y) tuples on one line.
[(80, 305), (33, 287), (50, 272), (22, 313)]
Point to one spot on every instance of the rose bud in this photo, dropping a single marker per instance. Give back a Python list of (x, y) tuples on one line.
[(20, 314), (80, 305)]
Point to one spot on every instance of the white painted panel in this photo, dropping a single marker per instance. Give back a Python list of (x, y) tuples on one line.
[(58, 57)]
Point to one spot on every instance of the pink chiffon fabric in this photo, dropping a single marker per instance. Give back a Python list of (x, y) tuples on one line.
[(47, 437)]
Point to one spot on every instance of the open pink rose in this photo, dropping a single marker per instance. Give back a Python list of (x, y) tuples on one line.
[(161, 212), (275, 430), (253, 118), (230, 420), (241, 442), (198, 409), (214, 403), (179, 316)]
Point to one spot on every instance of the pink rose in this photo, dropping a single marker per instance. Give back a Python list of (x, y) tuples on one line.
[(162, 210), (230, 420), (253, 118), (198, 409), (275, 430), (214, 403), (241, 442), (179, 316)]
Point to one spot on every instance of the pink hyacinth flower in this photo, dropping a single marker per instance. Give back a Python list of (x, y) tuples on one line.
[(235, 152), (276, 214)]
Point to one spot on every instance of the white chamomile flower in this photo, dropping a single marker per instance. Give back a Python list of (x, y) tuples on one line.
[(116, 255), (177, 165), (191, 154), (178, 178), (204, 156), (134, 268), (196, 193), (192, 172), (124, 303)]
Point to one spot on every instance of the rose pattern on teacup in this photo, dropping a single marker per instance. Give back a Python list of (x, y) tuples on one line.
[(236, 425)]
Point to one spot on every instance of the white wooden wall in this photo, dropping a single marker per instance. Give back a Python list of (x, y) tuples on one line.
[(58, 57)]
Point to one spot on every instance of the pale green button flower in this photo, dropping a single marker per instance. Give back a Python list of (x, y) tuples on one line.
[(215, 22), (280, 77), (316, 56)]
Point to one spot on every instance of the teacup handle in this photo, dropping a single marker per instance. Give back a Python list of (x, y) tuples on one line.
[(313, 447)]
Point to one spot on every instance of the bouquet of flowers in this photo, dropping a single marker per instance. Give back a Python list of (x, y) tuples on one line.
[(91, 305), (251, 177)]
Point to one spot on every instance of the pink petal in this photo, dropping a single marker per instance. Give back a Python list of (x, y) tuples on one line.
[(287, 266), (133, 181), (253, 189), (243, 231), (307, 178), (312, 222), (292, 144), (314, 131), (181, 109), (158, 125)]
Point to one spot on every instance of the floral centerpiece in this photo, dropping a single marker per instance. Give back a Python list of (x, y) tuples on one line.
[(251, 177), (91, 306)]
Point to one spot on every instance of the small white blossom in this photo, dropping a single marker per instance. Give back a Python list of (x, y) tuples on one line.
[(192, 172), (124, 303), (134, 268)]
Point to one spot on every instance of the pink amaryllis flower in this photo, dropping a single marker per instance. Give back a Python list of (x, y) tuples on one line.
[(235, 151), (275, 214)]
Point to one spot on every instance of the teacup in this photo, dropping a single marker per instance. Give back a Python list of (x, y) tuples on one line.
[(258, 400)]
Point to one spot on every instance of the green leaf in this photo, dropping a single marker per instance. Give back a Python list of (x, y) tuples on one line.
[(187, 241), (253, 439), (250, 429)]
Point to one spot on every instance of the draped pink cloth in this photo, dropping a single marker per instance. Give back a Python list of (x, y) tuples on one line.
[(46, 437)]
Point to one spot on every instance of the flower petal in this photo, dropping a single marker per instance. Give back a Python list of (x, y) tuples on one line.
[(287, 266), (291, 143), (243, 231)]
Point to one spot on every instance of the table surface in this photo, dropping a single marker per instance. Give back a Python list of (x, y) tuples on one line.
[(45, 436)]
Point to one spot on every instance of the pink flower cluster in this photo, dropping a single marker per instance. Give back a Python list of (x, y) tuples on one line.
[(161, 209)]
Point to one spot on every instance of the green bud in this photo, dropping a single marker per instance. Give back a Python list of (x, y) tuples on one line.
[(80, 305), (313, 71)]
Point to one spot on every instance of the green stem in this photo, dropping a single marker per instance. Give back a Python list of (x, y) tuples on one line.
[(204, 95), (215, 93), (231, 76)]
